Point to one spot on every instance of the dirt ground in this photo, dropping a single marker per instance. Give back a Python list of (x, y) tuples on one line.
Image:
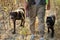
[(6, 27)]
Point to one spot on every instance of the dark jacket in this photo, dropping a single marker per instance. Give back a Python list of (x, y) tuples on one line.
[(42, 2), (32, 2)]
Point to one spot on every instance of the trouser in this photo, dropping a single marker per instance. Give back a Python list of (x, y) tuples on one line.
[(38, 11)]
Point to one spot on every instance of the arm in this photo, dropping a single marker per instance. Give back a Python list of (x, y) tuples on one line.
[(48, 5)]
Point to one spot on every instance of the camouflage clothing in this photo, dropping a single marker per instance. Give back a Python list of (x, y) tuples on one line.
[(41, 14), (39, 11)]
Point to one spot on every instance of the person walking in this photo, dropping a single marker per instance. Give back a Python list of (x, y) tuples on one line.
[(36, 8)]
